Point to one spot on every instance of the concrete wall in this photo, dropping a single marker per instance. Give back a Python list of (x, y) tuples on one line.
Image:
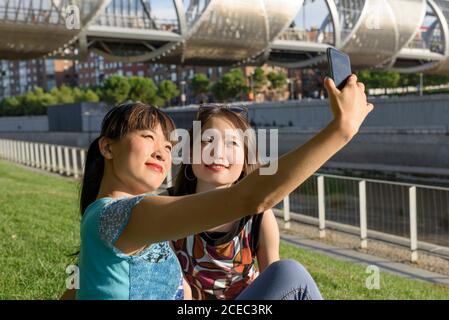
[(406, 112), (23, 124), (76, 117), (407, 132)]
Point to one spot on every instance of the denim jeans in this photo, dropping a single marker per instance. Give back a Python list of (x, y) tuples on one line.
[(282, 280)]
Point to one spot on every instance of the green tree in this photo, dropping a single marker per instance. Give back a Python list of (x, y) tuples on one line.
[(435, 80), (11, 106), (167, 91), (373, 79), (142, 89), (63, 94), (200, 85), (259, 80), (116, 89), (36, 102), (278, 80), (78, 95), (230, 86), (91, 96)]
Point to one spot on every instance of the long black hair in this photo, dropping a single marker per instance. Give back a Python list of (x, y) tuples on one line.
[(119, 121)]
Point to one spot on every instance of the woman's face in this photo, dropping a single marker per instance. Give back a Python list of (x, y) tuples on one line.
[(222, 151), (141, 159)]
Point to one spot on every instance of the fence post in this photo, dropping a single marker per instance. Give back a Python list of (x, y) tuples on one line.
[(15, 157), (83, 159), (17, 151), (32, 157), (47, 157), (36, 154), (362, 204), (321, 207), (413, 225), (12, 151), (287, 212), (42, 155), (66, 160), (17, 143), (22, 153), (53, 158), (74, 163), (59, 152), (8, 154), (27, 154), (11, 143), (5, 149)]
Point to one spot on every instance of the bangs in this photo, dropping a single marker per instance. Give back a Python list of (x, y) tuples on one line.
[(149, 118), (131, 117)]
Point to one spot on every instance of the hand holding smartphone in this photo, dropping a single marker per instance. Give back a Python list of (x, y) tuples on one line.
[(339, 67)]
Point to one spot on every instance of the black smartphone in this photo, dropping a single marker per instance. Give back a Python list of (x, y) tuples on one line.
[(339, 66)]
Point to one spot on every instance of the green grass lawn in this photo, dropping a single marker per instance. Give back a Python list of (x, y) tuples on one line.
[(39, 229)]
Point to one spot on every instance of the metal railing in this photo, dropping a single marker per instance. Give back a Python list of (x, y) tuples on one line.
[(403, 213), (64, 160)]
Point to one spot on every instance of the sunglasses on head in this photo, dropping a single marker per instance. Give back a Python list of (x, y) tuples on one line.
[(211, 106)]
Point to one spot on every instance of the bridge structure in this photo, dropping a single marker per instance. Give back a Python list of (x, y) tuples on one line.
[(399, 35)]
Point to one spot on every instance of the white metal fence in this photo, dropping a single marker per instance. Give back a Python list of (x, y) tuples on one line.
[(403, 213), (64, 160)]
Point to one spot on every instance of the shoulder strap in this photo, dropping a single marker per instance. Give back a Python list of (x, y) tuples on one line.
[(255, 232)]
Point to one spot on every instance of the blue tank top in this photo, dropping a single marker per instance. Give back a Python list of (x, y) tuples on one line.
[(107, 273)]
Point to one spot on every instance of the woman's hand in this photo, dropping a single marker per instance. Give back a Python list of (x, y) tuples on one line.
[(349, 106)]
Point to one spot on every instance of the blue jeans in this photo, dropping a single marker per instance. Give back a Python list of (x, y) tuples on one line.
[(282, 280)]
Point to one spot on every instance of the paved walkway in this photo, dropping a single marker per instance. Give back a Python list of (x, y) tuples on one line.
[(361, 258)]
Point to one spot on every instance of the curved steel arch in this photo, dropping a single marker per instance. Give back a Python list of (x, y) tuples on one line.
[(375, 36), (409, 22), (284, 41), (217, 32), (430, 60), (442, 67), (108, 38), (39, 28)]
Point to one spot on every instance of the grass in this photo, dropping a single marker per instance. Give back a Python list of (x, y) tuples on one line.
[(39, 228)]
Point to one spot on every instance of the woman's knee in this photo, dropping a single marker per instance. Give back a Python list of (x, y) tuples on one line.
[(296, 278), (288, 266)]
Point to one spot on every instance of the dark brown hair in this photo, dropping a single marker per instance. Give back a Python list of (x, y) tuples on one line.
[(119, 121), (183, 185)]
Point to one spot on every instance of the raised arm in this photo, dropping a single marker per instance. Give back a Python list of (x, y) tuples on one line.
[(163, 218)]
